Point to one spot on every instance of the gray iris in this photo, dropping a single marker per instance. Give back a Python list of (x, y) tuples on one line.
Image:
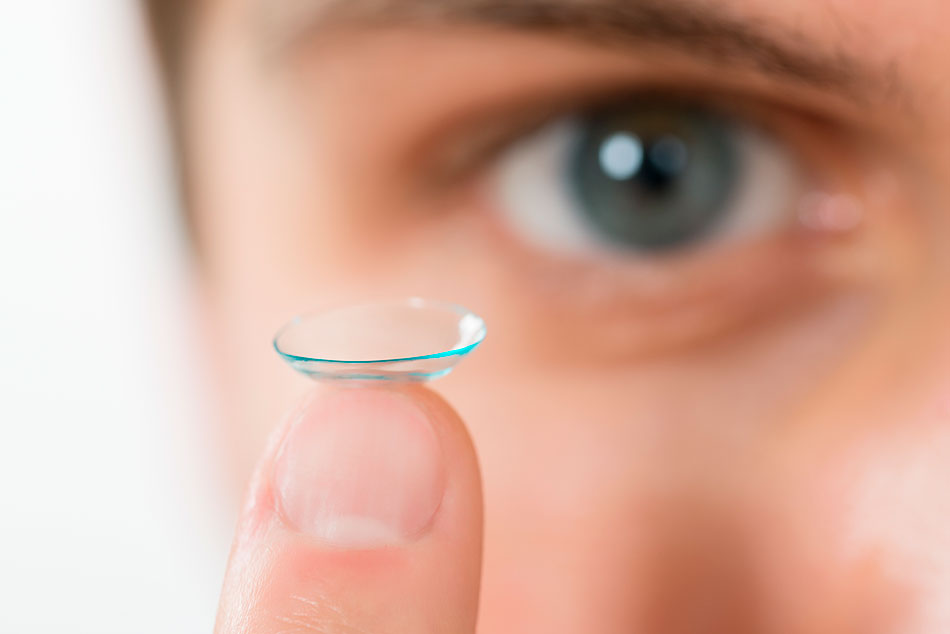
[(655, 176)]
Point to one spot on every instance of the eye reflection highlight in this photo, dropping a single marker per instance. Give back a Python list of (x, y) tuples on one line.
[(621, 156)]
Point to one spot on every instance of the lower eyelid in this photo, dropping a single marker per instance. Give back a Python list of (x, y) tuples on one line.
[(627, 308)]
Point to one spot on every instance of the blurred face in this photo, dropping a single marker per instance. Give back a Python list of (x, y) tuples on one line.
[(710, 242)]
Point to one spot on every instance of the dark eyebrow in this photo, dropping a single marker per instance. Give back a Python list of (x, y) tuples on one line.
[(700, 29)]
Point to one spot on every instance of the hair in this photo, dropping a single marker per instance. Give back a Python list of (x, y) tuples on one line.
[(168, 24)]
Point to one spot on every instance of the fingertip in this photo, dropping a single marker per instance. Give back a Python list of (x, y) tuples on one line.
[(367, 495)]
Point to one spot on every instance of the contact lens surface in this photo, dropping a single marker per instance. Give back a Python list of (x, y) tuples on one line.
[(409, 340)]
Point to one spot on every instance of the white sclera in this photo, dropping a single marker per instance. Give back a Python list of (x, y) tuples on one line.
[(408, 340)]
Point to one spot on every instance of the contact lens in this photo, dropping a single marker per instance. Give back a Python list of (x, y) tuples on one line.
[(410, 340)]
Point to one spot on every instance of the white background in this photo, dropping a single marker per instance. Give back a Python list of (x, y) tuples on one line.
[(110, 519)]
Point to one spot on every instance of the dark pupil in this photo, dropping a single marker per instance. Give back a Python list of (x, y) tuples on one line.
[(654, 177)]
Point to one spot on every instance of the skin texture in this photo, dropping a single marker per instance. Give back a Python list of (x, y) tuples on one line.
[(748, 438)]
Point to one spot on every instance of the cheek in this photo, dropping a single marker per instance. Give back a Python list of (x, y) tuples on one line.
[(862, 522)]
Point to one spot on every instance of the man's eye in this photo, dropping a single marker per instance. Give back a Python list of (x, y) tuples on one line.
[(646, 177)]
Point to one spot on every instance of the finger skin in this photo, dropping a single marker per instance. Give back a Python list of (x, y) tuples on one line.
[(280, 580)]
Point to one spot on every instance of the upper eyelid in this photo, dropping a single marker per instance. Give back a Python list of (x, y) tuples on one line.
[(486, 134)]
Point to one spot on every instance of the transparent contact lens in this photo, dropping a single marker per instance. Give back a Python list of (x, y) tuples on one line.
[(409, 340)]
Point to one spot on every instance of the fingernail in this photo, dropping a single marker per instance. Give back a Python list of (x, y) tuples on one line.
[(360, 468)]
